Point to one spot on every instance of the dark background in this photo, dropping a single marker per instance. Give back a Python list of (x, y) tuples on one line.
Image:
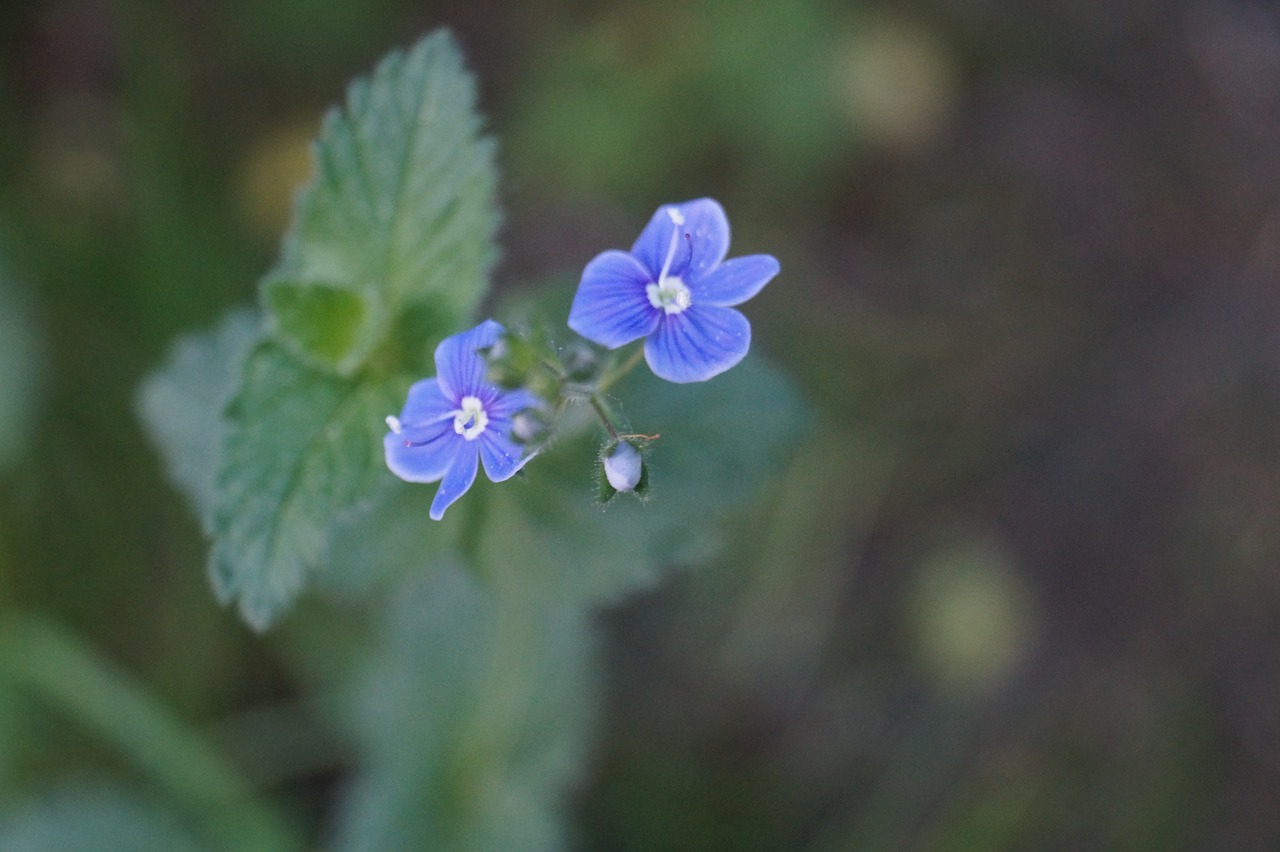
[(1018, 590)]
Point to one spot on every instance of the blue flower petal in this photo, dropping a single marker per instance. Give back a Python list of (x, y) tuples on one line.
[(459, 477), (460, 369), (428, 461), (735, 281), (698, 343), (708, 229), (651, 247), (501, 456), (611, 306), (508, 404), (426, 422), (426, 404)]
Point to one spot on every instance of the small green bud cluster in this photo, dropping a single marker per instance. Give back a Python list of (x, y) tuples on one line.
[(560, 374)]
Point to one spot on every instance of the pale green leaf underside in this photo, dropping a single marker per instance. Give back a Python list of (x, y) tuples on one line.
[(474, 720), (302, 449), (401, 208), (181, 404)]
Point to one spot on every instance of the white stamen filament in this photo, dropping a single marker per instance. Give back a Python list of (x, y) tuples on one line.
[(677, 220), (470, 419), (393, 423), (670, 294)]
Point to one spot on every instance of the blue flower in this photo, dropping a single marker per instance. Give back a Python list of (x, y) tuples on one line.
[(676, 290), (453, 421)]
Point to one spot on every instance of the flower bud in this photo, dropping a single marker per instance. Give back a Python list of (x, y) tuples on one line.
[(511, 360), (529, 426), (580, 362), (623, 467)]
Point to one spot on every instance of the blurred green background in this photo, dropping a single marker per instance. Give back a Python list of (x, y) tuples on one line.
[(1018, 590)]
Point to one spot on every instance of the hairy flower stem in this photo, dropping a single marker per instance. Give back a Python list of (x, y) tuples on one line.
[(598, 406), (607, 381), (593, 392)]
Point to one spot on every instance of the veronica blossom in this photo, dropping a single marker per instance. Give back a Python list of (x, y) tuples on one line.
[(456, 420), (676, 290)]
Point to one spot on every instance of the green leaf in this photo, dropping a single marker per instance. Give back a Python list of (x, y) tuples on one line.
[(474, 720), (571, 548), (401, 212), (181, 404), (52, 665), (94, 819), (390, 250), (21, 363), (392, 538), (302, 449), (721, 439), (335, 326)]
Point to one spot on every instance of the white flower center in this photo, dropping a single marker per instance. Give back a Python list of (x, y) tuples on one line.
[(670, 294), (470, 420)]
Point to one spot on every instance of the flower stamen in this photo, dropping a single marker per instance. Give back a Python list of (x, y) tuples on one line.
[(678, 221), (470, 420), (670, 294)]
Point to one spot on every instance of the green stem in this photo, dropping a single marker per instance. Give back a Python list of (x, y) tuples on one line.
[(608, 380), (611, 377), (39, 655), (603, 414), (553, 368)]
